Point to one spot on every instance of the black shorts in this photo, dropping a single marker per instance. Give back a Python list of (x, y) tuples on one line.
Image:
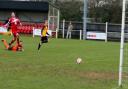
[(44, 39)]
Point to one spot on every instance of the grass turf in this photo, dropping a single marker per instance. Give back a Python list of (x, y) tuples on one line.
[(54, 66)]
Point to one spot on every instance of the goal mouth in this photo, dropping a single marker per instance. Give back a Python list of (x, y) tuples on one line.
[(53, 20)]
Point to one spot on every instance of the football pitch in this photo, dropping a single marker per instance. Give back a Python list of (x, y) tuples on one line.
[(54, 65)]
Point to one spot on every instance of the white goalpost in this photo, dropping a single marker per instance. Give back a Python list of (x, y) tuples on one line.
[(122, 43)]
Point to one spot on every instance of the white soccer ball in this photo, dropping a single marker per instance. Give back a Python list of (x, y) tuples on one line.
[(79, 60)]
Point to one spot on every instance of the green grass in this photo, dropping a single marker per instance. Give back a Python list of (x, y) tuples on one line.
[(54, 66)]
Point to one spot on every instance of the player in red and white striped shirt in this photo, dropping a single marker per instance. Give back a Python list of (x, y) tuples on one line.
[(14, 22)]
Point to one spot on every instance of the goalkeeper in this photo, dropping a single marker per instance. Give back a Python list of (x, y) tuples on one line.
[(44, 34), (16, 47)]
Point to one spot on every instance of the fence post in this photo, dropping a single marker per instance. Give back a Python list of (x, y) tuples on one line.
[(33, 32), (106, 31), (63, 27), (80, 34), (56, 33)]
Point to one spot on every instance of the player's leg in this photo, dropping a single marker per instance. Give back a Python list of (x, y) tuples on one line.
[(18, 38), (14, 39), (45, 39), (5, 43), (40, 43), (70, 34)]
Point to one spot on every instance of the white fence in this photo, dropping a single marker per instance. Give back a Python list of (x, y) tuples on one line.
[(2, 29), (97, 35), (37, 32)]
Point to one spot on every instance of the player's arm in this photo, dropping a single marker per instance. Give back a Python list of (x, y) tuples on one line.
[(42, 30), (7, 24), (47, 33), (19, 22)]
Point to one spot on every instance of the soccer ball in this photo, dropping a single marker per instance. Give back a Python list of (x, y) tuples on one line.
[(79, 60)]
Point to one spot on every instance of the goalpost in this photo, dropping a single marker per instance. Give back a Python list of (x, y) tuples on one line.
[(53, 19), (123, 66)]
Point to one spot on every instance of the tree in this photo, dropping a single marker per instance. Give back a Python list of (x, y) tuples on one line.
[(107, 10), (99, 10), (70, 10)]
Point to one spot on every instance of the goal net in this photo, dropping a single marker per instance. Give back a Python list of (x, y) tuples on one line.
[(53, 19)]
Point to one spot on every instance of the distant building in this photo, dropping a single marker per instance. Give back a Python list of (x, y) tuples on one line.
[(51, 0), (27, 11)]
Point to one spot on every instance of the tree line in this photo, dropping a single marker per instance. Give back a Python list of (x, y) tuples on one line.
[(97, 11)]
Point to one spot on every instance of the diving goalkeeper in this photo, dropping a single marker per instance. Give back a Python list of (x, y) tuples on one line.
[(16, 47)]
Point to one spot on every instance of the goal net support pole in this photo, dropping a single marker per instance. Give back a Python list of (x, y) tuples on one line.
[(122, 43), (85, 20)]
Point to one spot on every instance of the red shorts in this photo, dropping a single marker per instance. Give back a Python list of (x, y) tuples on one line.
[(15, 34), (14, 31)]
